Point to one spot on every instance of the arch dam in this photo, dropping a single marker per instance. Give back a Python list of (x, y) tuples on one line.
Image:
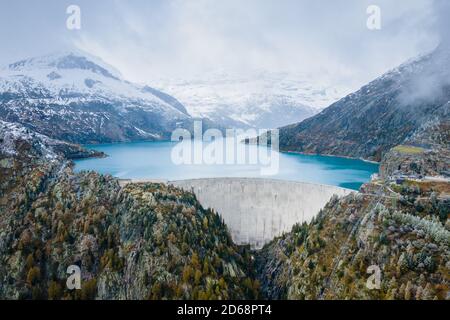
[(258, 210)]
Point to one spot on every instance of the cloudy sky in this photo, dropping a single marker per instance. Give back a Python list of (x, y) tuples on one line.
[(148, 39)]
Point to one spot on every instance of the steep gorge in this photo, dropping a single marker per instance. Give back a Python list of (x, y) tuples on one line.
[(154, 241)]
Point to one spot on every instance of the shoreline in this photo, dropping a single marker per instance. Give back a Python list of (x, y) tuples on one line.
[(329, 155)]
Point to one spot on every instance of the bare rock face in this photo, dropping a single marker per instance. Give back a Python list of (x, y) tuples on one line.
[(426, 153), (406, 160), (18, 141)]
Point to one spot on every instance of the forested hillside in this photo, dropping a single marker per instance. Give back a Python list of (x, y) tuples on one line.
[(148, 241)]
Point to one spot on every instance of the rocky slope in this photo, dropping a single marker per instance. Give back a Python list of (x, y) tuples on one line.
[(78, 98), (399, 224), (148, 241), (406, 235), (19, 141), (381, 115)]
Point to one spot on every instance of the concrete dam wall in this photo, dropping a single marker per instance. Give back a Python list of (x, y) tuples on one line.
[(257, 210)]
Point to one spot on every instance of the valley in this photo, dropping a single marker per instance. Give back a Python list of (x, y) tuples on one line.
[(262, 99), (222, 238)]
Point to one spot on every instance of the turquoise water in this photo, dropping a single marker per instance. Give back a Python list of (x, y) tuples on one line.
[(153, 160)]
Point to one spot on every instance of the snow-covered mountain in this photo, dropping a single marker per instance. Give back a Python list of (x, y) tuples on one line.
[(260, 99), (409, 104), (76, 97)]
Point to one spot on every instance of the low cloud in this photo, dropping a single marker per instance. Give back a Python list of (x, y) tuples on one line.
[(432, 82), (147, 40)]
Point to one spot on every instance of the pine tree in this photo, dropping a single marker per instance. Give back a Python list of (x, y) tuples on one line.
[(401, 291), (408, 291), (89, 289), (156, 291), (187, 274), (197, 277), (33, 275), (205, 223), (54, 290), (195, 261), (428, 292), (206, 266), (30, 261), (419, 293)]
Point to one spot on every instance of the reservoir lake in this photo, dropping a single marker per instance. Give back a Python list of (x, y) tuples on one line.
[(154, 160)]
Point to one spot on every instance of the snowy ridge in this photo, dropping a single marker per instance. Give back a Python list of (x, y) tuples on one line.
[(382, 114), (78, 98), (10, 133), (60, 77), (262, 99)]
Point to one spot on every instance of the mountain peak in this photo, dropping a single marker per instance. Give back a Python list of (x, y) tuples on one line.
[(67, 60), (82, 99)]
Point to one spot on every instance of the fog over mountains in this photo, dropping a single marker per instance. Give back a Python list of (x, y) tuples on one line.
[(382, 114), (77, 97), (261, 99)]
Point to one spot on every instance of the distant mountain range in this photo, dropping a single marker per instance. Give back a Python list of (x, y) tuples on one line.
[(76, 97), (260, 100), (79, 98), (381, 115)]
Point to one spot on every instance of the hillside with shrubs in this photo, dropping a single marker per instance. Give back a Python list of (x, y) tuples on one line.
[(398, 225), (154, 241), (138, 241)]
